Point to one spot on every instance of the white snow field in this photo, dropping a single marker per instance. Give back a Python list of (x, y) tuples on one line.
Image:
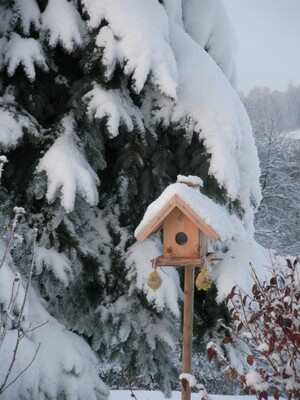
[(295, 135), (147, 395)]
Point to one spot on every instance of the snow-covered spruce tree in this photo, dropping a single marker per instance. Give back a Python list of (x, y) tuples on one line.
[(103, 103)]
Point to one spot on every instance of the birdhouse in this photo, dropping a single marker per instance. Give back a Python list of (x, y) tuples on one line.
[(180, 213), (187, 219)]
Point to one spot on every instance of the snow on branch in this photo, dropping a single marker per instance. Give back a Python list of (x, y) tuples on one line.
[(3, 160), (117, 106), (25, 52), (208, 24), (137, 37), (53, 261), (63, 23), (139, 265), (207, 104), (29, 14), (13, 123), (68, 171)]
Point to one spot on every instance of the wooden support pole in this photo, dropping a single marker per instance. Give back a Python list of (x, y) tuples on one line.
[(188, 312)]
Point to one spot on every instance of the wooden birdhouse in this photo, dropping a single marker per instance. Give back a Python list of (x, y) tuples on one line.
[(187, 219), (180, 213)]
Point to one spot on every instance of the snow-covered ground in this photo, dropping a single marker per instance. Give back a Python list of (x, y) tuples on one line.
[(294, 134), (146, 395)]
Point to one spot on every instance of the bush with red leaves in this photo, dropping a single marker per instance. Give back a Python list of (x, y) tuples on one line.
[(265, 330)]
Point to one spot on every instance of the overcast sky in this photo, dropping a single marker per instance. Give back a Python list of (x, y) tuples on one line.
[(268, 32)]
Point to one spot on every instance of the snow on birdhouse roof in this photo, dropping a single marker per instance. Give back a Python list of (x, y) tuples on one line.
[(211, 214)]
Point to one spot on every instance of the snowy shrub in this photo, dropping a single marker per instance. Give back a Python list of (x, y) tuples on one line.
[(39, 358), (12, 311), (265, 331)]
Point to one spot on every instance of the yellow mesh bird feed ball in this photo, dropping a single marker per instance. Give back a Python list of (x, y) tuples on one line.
[(203, 280), (154, 281)]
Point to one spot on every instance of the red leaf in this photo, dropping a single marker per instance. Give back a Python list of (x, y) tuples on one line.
[(263, 395), (211, 354), (243, 379), (227, 340), (254, 289), (276, 396), (229, 297), (262, 373), (233, 373), (296, 337), (273, 281), (296, 314), (250, 359), (240, 326), (233, 289), (254, 317), (289, 264), (288, 291)]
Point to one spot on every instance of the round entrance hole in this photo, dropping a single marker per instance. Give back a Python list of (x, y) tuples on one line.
[(181, 238)]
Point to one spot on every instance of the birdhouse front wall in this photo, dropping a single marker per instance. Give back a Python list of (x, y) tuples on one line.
[(181, 237)]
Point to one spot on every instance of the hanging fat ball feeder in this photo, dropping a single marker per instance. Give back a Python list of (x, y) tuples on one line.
[(154, 280), (203, 280)]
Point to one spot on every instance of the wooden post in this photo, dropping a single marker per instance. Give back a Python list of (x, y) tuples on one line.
[(188, 312)]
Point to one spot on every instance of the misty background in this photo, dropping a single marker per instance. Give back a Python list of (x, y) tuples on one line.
[(268, 78)]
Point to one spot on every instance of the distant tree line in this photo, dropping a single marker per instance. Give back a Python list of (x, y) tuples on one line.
[(275, 119)]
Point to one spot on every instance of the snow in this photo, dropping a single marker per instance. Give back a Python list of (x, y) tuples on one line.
[(24, 51), (10, 130), (64, 363), (208, 24), (6, 15), (207, 104), (67, 169), (174, 10), (12, 125), (193, 180), (3, 160), (219, 117), (29, 12), (169, 293), (64, 27), (235, 269), (117, 106), (148, 395), (295, 135), (190, 378), (138, 41), (51, 260), (19, 210), (254, 380)]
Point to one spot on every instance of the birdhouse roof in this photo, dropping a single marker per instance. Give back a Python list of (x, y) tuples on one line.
[(211, 218)]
